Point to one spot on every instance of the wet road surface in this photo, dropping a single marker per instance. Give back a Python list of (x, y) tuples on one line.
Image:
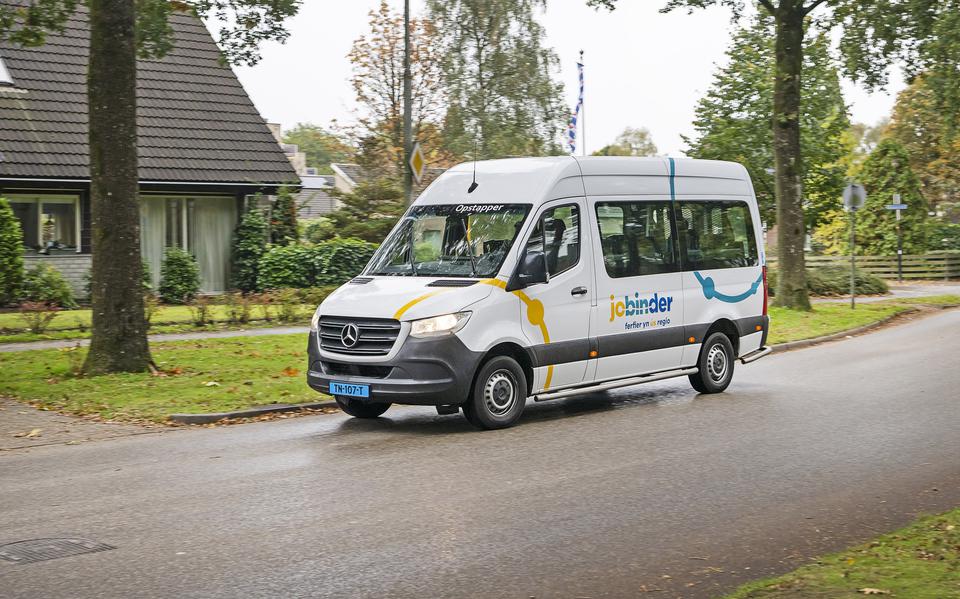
[(602, 496)]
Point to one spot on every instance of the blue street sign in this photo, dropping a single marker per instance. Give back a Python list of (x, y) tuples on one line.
[(896, 206)]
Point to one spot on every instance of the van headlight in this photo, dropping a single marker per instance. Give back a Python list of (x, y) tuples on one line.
[(315, 321), (439, 325)]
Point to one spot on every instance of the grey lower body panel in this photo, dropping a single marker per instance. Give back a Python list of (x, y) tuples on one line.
[(433, 371)]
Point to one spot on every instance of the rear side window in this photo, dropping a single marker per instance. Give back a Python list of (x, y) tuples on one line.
[(716, 235), (637, 238)]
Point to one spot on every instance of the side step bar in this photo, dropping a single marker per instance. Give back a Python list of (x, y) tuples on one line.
[(635, 380), (755, 355)]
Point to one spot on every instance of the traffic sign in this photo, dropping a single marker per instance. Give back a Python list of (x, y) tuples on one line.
[(418, 162), (896, 206), (854, 196)]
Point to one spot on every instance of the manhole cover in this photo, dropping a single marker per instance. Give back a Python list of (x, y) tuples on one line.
[(38, 550)]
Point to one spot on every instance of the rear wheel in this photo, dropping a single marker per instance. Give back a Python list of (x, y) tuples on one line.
[(498, 395), (360, 409), (715, 365)]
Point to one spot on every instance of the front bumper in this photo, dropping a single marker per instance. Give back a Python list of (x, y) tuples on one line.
[(432, 371)]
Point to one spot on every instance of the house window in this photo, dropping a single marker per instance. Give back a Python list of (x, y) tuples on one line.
[(5, 78), (50, 224)]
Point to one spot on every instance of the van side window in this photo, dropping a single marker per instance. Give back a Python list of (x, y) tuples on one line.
[(637, 238), (716, 235), (562, 244)]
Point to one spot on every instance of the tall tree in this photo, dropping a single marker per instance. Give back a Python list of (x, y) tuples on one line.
[(321, 146), (874, 34), (734, 119), (632, 142), (499, 78), (377, 59)]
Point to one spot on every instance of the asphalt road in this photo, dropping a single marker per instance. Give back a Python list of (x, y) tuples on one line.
[(604, 496)]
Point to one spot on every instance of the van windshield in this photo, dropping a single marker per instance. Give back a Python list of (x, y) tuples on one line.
[(450, 240)]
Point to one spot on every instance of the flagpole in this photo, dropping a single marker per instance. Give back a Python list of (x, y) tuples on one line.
[(583, 119)]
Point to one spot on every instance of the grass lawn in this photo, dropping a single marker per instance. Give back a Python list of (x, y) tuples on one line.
[(921, 561), (212, 375), (75, 324), (826, 318), (217, 375)]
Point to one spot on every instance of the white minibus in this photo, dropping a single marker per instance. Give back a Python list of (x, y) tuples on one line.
[(545, 278)]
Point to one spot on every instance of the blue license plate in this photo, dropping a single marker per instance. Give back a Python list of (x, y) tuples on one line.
[(349, 389)]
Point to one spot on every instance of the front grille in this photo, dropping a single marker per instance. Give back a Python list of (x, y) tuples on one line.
[(369, 371), (376, 338)]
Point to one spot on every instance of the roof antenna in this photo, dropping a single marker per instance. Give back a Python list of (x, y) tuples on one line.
[(474, 185)]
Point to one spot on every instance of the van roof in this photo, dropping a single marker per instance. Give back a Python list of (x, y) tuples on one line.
[(534, 180)]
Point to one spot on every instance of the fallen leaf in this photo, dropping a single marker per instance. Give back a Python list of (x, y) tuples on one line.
[(29, 435), (290, 371), (870, 591), (211, 384)]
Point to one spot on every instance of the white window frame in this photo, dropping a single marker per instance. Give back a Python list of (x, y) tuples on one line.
[(42, 199), (5, 77)]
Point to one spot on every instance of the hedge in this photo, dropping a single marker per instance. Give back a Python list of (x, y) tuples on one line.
[(328, 263), (835, 280)]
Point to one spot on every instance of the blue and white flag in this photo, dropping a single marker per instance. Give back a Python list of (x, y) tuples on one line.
[(572, 126)]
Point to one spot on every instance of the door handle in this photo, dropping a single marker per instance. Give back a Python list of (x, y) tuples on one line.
[(578, 291)]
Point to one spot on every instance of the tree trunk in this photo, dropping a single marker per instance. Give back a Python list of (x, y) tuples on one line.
[(119, 332), (792, 282)]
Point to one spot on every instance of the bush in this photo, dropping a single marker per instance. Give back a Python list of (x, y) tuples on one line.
[(179, 277), (38, 315), (11, 255), (314, 296), (238, 307), (283, 219), (200, 312), (44, 283), (150, 306), (249, 245), (320, 229), (328, 263), (835, 280), (288, 305)]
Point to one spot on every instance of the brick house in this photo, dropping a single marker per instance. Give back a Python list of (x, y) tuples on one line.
[(203, 149)]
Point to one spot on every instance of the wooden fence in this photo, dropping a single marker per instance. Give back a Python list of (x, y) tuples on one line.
[(935, 265)]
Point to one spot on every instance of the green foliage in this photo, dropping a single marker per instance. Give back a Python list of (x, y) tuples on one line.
[(44, 284), (319, 229), (328, 263), (283, 218), (887, 171), (244, 24), (38, 315), (369, 211), (321, 146), (835, 280), (734, 120), (632, 142), (200, 312), (499, 78), (249, 245), (179, 276), (11, 255), (943, 236)]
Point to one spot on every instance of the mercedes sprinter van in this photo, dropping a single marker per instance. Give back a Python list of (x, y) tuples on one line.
[(545, 278)]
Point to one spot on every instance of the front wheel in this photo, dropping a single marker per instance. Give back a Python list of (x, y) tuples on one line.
[(715, 365), (498, 395), (360, 409)]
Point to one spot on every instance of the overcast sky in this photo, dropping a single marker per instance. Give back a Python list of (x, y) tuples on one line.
[(643, 68)]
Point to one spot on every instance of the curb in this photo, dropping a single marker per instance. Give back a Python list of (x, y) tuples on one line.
[(248, 413), (781, 347)]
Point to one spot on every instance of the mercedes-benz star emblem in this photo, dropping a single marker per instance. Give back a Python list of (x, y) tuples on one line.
[(349, 335)]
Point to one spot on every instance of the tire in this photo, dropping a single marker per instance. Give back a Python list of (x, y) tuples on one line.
[(498, 396), (715, 365), (360, 409)]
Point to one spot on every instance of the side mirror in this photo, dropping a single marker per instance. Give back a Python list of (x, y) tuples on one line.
[(531, 270)]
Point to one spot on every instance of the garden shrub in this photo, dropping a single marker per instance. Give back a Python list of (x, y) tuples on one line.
[(44, 283), (11, 255), (150, 306), (249, 245), (283, 219), (238, 307), (200, 311), (835, 280), (288, 305), (329, 263), (317, 230), (314, 296), (38, 315), (179, 276)]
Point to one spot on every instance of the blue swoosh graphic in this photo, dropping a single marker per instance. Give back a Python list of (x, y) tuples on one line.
[(710, 289)]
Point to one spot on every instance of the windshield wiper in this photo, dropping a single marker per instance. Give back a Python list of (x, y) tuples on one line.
[(466, 239)]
